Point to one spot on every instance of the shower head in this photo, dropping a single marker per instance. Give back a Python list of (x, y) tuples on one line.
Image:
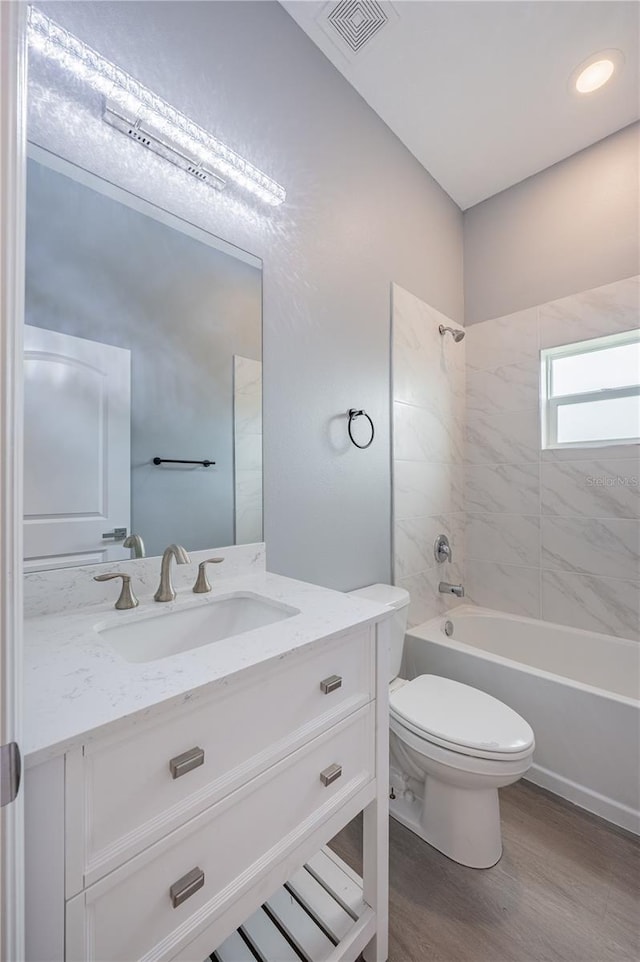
[(456, 335)]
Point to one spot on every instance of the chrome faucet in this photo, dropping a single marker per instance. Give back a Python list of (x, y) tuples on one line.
[(446, 589), (166, 591)]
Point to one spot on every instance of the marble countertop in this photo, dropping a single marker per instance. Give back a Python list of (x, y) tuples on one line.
[(77, 687)]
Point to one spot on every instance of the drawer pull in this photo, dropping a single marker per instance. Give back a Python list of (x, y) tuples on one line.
[(186, 762), (330, 684), (186, 886), (330, 774)]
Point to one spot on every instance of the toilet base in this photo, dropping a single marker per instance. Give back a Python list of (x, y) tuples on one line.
[(463, 824)]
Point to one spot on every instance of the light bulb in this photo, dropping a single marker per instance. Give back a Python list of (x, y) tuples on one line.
[(594, 76)]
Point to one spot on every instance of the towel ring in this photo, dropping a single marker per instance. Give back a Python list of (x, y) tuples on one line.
[(353, 414)]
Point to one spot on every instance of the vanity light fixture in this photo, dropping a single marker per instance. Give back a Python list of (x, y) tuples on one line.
[(592, 74), (138, 112)]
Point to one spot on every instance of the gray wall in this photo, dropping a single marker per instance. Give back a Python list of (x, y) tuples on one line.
[(570, 228), (361, 212), (97, 269)]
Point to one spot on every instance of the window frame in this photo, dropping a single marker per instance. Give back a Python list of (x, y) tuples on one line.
[(550, 404)]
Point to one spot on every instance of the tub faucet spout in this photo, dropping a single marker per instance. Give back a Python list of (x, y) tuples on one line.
[(446, 589)]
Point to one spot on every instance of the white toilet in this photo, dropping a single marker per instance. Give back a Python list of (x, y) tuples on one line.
[(453, 747)]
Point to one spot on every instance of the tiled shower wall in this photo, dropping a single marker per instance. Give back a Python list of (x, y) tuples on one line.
[(549, 534), (247, 443), (428, 456)]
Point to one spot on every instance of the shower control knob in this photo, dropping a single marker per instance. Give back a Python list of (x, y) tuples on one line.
[(442, 549)]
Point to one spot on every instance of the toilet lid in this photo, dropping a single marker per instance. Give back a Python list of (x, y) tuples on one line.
[(460, 716)]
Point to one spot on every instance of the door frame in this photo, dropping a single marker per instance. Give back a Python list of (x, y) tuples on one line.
[(13, 96)]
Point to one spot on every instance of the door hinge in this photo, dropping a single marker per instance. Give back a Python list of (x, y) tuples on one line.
[(10, 773)]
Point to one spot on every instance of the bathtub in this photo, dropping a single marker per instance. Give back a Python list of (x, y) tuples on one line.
[(578, 690)]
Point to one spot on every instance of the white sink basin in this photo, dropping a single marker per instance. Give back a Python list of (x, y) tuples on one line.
[(150, 637)]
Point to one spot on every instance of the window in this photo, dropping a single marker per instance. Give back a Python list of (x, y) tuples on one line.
[(591, 392)]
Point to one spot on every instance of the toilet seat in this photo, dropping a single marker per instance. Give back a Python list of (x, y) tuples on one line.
[(480, 767), (460, 719)]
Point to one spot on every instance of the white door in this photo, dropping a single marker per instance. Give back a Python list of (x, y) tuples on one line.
[(77, 449)]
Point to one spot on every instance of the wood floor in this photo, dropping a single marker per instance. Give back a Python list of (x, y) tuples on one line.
[(566, 888)]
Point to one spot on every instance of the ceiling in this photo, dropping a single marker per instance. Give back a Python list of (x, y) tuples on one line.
[(479, 91)]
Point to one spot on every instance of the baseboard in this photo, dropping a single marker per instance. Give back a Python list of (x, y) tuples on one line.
[(407, 813), (607, 808)]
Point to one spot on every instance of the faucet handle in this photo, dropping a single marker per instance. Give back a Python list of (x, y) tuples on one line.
[(202, 585), (126, 598), (442, 549)]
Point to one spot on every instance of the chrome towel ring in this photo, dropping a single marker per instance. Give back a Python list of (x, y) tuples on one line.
[(353, 413)]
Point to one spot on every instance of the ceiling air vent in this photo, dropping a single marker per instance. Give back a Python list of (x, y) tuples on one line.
[(353, 25)]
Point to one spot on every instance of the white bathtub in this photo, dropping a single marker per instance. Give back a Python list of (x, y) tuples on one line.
[(579, 691)]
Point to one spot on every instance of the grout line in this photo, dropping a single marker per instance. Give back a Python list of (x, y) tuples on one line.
[(546, 515), (566, 571)]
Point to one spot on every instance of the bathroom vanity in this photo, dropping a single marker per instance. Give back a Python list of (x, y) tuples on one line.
[(172, 801)]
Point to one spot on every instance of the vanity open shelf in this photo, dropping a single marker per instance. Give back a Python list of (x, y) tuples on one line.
[(318, 916)]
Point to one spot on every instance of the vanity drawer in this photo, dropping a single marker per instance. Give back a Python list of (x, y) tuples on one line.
[(129, 914), (123, 794)]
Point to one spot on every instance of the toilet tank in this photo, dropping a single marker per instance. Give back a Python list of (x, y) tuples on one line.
[(398, 599)]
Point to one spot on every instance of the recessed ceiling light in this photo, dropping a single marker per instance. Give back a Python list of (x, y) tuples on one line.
[(594, 76), (594, 73)]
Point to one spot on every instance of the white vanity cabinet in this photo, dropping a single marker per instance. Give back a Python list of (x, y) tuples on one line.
[(159, 841)]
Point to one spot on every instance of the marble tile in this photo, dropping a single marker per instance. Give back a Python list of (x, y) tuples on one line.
[(428, 369), (610, 548), (247, 376), (502, 438), (248, 517), (591, 489), (248, 451), (248, 526), (504, 587), (601, 452), (594, 313), (428, 444), (512, 339), (503, 488), (423, 435), (512, 387), (247, 395), (596, 604), (247, 391), (426, 600), (503, 538), (414, 539), (249, 489), (248, 420), (589, 534), (422, 489)]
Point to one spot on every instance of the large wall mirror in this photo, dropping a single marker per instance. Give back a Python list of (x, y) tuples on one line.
[(143, 377)]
